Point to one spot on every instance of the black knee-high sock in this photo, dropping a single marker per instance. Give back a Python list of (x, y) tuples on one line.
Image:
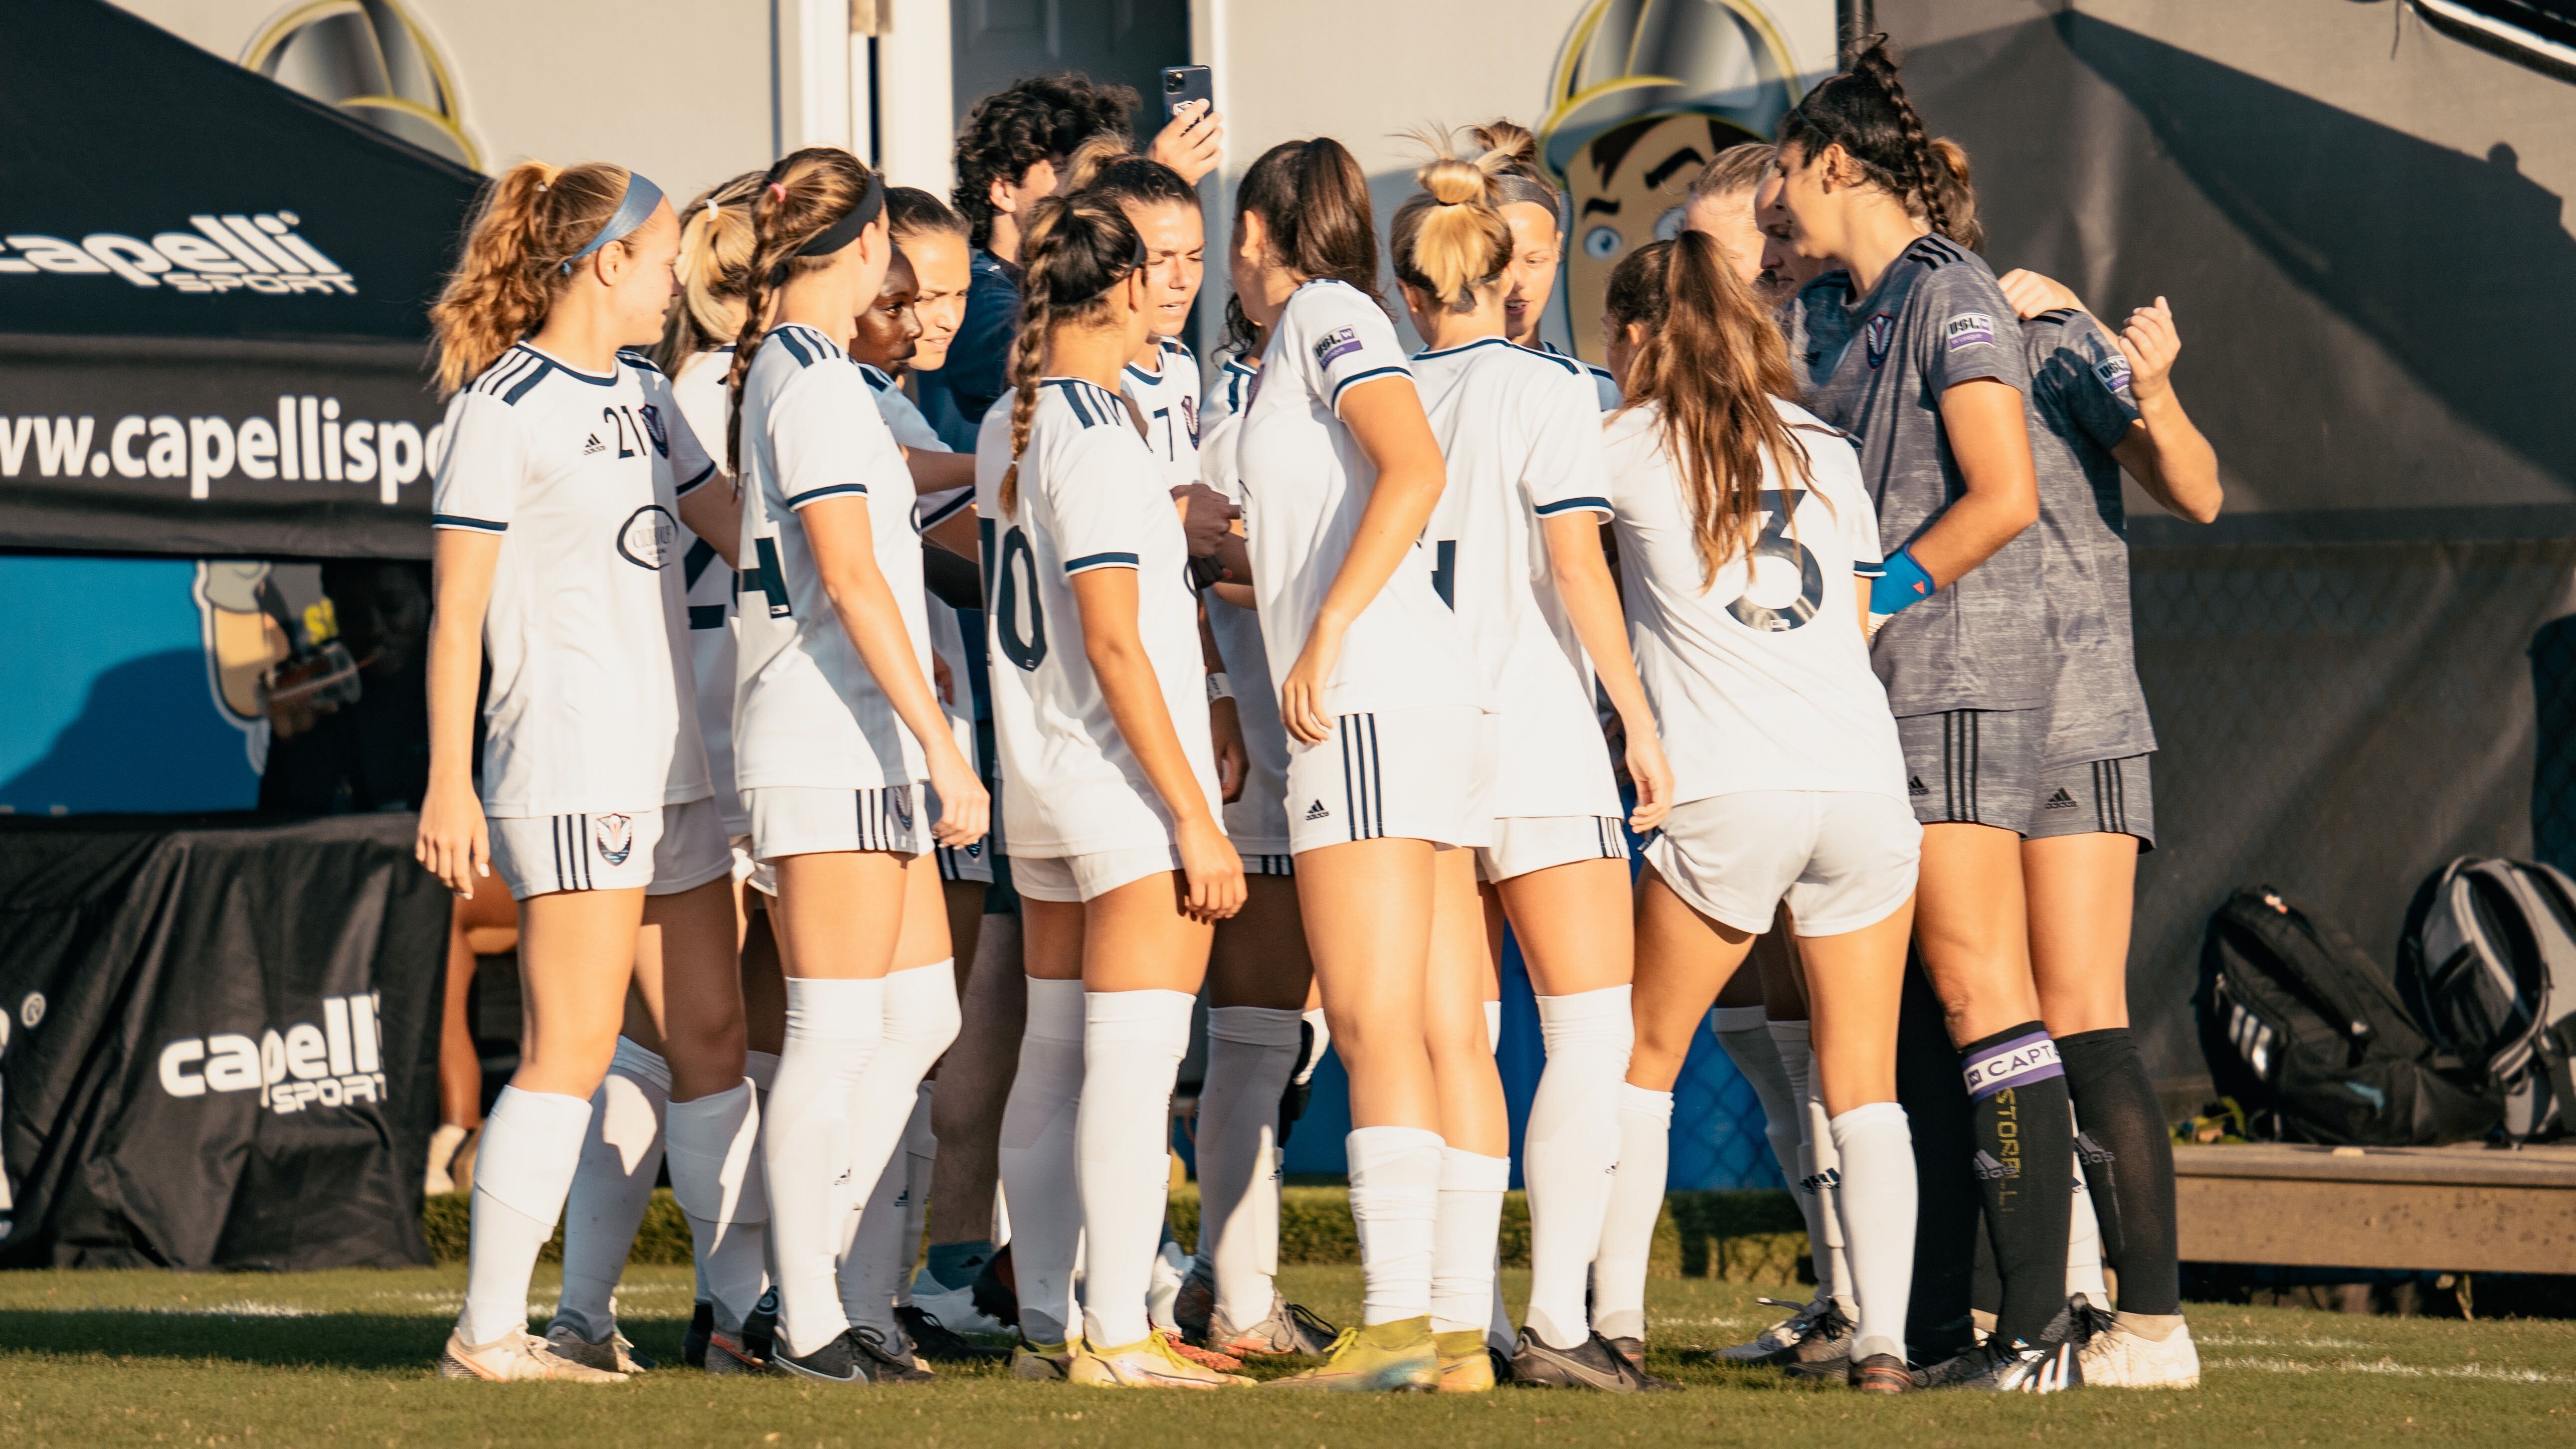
[(2024, 1160), (2132, 1174), (1945, 1219)]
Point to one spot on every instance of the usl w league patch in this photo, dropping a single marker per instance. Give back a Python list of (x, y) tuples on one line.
[(1968, 329), (1340, 342), (2114, 372), (613, 836), (1880, 331)]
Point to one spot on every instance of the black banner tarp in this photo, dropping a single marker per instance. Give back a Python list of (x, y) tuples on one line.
[(221, 1043), (213, 302)]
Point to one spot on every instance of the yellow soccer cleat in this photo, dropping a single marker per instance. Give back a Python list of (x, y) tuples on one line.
[(1397, 1357), (1043, 1363), (516, 1358), (1148, 1363), (1466, 1366)]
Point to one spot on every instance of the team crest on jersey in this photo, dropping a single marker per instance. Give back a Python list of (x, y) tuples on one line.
[(1876, 335), (653, 428), (901, 798), (1190, 417), (2114, 372), (613, 836), (1968, 329), (1340, 342), (647, 536)]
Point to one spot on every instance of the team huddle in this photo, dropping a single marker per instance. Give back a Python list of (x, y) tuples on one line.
[(905, 558)]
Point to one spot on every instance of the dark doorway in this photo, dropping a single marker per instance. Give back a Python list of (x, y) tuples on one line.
[(996, 42)]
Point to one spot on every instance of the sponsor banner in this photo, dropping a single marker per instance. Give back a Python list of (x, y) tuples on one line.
[(221, 1045)]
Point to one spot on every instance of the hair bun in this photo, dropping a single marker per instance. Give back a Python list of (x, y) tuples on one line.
[(1452, 182), (1510, 138)]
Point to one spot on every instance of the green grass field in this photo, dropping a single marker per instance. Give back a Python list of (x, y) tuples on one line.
[(344, 1358)]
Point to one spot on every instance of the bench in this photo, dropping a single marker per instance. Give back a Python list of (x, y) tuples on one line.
[(2468, 1208)]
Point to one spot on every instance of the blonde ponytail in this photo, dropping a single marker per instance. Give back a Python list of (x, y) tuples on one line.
[(1449, 241), (533, 218), (714, 270)]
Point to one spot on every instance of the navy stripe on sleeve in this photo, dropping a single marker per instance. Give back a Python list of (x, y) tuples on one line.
[(1570, 505), (694, 482), (1358, 377), (834, 490), (459, 520), (1099, 561)]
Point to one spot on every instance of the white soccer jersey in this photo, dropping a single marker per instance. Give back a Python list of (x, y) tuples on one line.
[(1605, 388), (1168, 399), (1306, 484), (699, 389), (1523, 441), (1091, 496), (590, 709), (1258, 820), (806, 711), (947, 634), (1760, 677)]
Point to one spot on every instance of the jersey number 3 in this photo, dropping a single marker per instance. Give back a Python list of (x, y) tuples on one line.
[(1775, 542), (1011, 584)]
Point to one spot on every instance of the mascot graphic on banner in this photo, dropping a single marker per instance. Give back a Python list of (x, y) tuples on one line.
[(1644, 93)]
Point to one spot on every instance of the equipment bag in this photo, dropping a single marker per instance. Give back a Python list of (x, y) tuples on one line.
[(2304, 1029), (2488, 964)]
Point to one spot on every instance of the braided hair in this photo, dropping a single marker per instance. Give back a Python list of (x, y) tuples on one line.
[(1076, 248), (1864, 110), (805, 194)]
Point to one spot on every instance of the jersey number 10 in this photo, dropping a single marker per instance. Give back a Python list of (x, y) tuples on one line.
[(1010, 576)]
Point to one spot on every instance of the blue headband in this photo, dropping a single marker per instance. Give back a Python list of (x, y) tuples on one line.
[(633, 210)]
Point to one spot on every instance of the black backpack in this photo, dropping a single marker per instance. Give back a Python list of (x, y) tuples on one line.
[(2488, 965), (2306, 1031)]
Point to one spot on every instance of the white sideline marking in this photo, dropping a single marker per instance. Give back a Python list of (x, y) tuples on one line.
[(2231, 1340), (2391, 1368)]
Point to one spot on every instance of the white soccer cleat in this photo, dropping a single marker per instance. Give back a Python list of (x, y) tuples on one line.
[(2120, 1357), (514, 1358), (1779, 1338), (956, 1311)]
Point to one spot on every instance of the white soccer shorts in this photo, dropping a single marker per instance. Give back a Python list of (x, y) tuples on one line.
[(1419, 774), (1842, 859), (665, 851)]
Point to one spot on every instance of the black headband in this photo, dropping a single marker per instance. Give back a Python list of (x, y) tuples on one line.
[(1137, 261), (840, 233)]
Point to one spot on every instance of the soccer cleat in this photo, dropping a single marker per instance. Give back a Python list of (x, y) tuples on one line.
[(994, 1293), (1044, 1363), (2011, 1366), (1224, 1363), (1466, 1365), (1824, 1342), (1880, 1373), (955, 1310), (1592, 1364), (1195, 1305), (1777, 1338), (933, 1340), (613, 1354), (856, 1356), (2121, 1356), (516, 1358), (1397, 1357), (729, 1356), (702, 1327), (1631, 1349), (760, 1326), (1151, 1362), (896, 1363), (1290, 1331)]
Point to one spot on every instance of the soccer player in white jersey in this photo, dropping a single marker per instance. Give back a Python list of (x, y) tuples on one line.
[(841, 748), (1518, 554), (1535, 210), (554, 513), (1378, 690), (1749, 547), (622, 1153), (1109, 785)]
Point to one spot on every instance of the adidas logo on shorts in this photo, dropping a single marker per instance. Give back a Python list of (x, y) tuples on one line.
[(2060, 801), (1317, 811), (593, 446), (1914, 785)]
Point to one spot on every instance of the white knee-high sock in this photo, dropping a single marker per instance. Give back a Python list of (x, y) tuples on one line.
[(1132, 1045), (1829, 1198), (873, 1233), (920, 1021), (621, 1154), (1743, 1032), (717, 1176), (1498, 1322), (531, 1147), (1569, 1155), (1796, 1064), (1463, 1239), (920, 1159), (762, 1070), (1877, 1204), (2083, 1244), (1636, 1200), (1395, 1204), (832, 1032), (1037, 1160), (1251, 1051)]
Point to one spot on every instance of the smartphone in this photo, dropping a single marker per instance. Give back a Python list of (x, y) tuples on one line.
[(1185, 83)]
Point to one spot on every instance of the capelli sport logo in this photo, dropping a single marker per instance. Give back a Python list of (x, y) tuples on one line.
[(336, 1063), (257, 252)]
